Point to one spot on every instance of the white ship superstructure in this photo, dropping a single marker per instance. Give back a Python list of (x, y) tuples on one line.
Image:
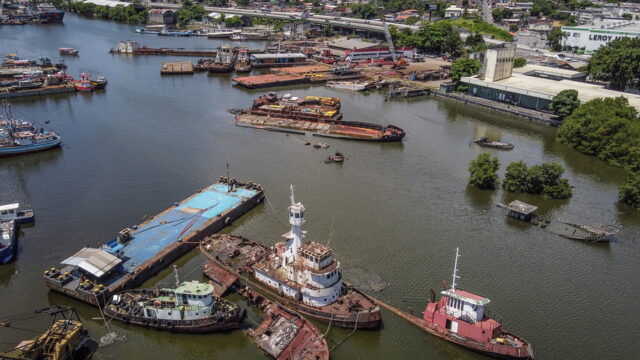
[(304, 271)]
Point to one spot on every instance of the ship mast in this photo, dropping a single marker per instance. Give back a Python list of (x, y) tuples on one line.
[(455, 270)]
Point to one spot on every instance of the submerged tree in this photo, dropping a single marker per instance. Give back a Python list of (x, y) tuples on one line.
[(484, 172), (630, 191)]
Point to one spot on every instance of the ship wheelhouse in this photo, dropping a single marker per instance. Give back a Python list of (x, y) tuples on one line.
[(464, 305)]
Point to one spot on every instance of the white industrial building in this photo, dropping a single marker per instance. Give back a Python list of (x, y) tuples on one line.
[(591, 38)]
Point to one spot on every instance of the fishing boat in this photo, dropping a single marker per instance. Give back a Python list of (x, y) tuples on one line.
[(304, 276), (84, 84), (100, 83), (243, 64), (66, 338), (284, 334), (188, 308), (13, 212), (68, 51), (347, 85), (21, 137), (7, 240), (311, 115), (224, 61), (460, 317), (484, 141)]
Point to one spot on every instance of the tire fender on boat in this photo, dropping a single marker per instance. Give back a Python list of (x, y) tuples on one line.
[(220, 320), (227, 220)]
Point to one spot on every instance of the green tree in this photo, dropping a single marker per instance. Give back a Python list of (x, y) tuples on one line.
[(278, 26), (514, 28), (484, 172), (627, 16), (630, 192), (515, 178), (411, 20), (607, 128), (501, 13), (464, 67), (519, 62), (618, 62), (474, 40), (565, 102), (554, 39)]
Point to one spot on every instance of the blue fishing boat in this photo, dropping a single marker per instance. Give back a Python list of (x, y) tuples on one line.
[(7, 241), (21, 137)]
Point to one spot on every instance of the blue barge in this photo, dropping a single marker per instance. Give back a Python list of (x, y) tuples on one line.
[(92, 275)]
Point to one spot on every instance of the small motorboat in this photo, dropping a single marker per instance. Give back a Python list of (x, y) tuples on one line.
[(68, 51), (338, 157), (484, 141), (100, 83)]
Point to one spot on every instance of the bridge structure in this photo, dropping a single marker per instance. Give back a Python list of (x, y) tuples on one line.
[(347, 24)]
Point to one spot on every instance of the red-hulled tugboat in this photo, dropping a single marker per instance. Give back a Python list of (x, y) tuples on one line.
[(459, 316)]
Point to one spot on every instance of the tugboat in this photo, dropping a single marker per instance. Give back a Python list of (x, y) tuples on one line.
[(66, 339), (459, 317), (84, 84), (7, 241), (189, 308), (243, 64), (224, 61), (12, 212), (304, 276), (21, 137), (68, 51)]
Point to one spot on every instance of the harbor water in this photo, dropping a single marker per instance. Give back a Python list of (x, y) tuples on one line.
[(394, 213)]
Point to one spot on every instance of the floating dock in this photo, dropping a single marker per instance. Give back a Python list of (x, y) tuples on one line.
[(176, 67), (92, 275), (45, 90), (270, 80)]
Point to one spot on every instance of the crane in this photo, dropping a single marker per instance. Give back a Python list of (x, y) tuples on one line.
[(392, 49)]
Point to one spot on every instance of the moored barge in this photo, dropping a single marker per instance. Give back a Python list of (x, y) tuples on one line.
[(92, 275), (304, 276), (315, 116)]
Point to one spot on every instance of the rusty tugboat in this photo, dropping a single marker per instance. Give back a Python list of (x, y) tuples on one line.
[(304, 276), (459, 317), (317, 116), (189, 308), (284, 334)]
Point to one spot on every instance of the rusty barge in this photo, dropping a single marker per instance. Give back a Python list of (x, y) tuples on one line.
[(93, 275), (298, 274), (314, 116), (284, 333)]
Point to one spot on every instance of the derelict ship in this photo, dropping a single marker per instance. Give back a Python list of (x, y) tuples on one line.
[(302, 275)]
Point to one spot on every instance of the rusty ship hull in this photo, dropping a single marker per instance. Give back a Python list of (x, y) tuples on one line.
[(284, 334), (236, 255)]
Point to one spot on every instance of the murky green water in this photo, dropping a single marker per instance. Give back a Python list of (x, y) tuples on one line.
[(397, 211)]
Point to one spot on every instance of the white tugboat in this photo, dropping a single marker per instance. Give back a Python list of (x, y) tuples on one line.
[(302, 275), (189, 308)]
